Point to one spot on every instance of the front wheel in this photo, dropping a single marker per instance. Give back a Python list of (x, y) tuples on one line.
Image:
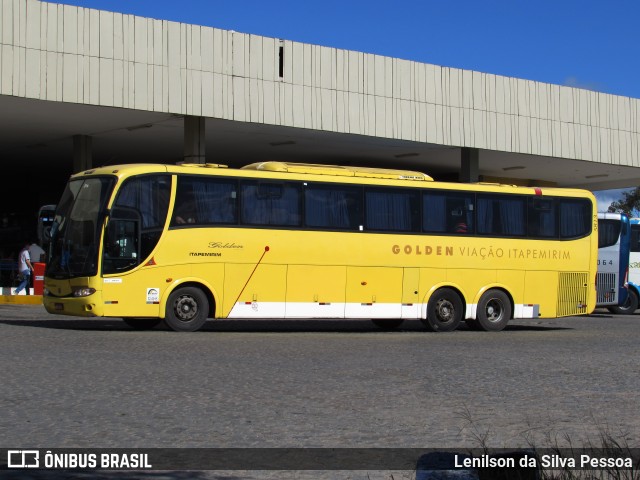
[(494, 311), (629, 306), (444, 311), (187, 309)]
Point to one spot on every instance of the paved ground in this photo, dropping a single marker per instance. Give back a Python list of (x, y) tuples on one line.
[(71, 382)]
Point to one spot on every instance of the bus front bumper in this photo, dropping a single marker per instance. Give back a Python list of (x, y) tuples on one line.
[(89, 306)]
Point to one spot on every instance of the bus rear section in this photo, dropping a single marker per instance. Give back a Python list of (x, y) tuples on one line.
[(614, 235)]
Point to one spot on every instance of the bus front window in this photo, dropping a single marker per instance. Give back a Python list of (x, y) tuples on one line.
[(136, 222), (75, 233)]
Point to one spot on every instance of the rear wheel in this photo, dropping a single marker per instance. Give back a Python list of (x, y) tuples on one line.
[(187, 309), (494, 311), (141, 323), (628, 307), (387, 323), (444, 311)]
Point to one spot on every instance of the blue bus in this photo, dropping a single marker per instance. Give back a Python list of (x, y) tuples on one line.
[(633, 299), (614, 239)]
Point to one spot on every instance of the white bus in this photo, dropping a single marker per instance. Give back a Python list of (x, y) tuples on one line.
[(614, 235)]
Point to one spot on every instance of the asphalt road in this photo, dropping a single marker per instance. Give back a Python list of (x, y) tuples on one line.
[(96, 383)]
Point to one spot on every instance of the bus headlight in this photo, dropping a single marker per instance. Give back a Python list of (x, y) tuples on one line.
[(83, 291)]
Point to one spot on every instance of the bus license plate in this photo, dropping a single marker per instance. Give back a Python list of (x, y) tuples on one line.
[(58, 306)]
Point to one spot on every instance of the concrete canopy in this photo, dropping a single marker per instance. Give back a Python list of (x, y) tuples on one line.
[(38, 135)]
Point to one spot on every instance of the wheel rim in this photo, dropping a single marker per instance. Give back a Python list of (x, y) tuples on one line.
[(494, 310), (186, 308), (445, 310)]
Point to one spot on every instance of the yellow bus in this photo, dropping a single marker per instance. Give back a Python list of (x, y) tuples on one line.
[(184, 243)]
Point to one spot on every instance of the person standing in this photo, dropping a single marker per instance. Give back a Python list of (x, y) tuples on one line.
[(25, 268)]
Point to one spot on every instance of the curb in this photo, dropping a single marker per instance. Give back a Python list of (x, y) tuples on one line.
[(21, 299)]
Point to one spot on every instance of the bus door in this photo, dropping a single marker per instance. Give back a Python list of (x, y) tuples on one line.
[(124, 292)]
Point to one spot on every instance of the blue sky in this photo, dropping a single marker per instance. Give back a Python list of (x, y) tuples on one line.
[(587, 44)]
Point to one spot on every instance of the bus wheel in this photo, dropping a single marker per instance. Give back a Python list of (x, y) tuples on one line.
[(187, 310), (387, 323), (141, 323), (629, 306), (444, 311), (494, 311)]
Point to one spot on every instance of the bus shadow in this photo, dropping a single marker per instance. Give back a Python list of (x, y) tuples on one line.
[(612, 316), (533, 328), (602, 313), (267, 326)]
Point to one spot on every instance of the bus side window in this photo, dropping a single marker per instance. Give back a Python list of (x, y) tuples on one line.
[(205, 201), (334, 207), (501, 215), (448, 212), (184, 211), (608, 232), (270, 203), (575, 218), (392, 210), (542, 218)]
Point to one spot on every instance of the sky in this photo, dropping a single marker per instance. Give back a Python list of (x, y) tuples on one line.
[(586, 44)]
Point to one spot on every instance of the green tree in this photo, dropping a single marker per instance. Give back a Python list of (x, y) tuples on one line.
[(628, 204)]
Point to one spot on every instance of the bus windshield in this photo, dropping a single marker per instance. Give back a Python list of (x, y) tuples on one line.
[(75, 232)]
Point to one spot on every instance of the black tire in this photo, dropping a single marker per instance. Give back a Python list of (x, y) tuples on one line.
[(187, 309), (444, 311), (387, 323), (628, 307), (142, 323), (494, 311)]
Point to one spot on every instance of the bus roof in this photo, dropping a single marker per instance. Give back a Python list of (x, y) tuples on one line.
[(341, 174), (338, 170)]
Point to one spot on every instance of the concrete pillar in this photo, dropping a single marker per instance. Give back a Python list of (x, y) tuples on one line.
[(469, 165), (194, 140), (82, 153)]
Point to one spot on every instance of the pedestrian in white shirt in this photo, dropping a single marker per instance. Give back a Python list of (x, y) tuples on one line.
[(24, 268)]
